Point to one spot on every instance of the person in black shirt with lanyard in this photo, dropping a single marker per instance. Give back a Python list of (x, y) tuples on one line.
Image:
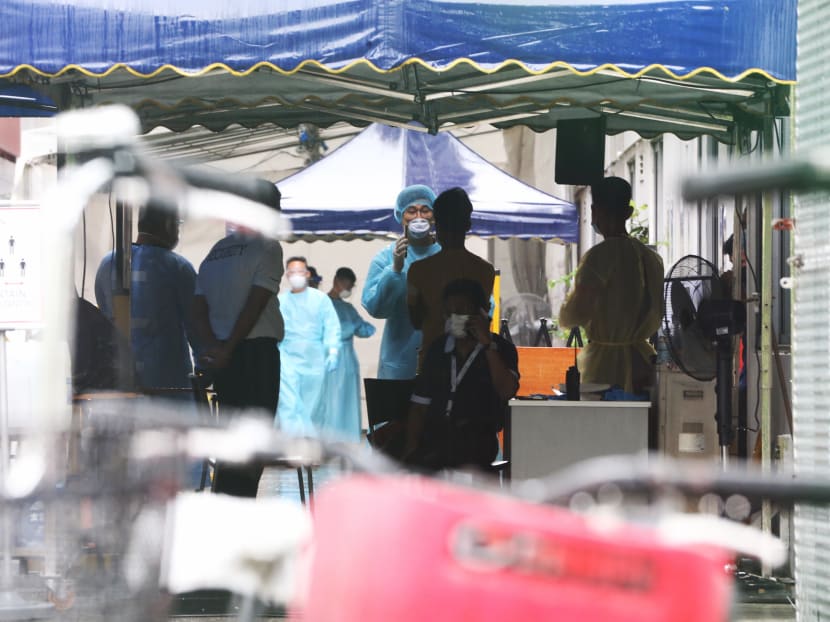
[(459, 401)]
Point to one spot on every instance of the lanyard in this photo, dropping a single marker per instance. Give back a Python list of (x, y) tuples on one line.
[(456, 377)]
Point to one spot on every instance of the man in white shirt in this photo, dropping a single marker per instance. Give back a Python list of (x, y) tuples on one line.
[(238, 319)]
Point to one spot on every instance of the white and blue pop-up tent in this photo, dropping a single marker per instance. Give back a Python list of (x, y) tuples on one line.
[(351, 192)]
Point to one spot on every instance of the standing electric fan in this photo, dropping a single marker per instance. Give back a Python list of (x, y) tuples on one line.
[(699, 323)]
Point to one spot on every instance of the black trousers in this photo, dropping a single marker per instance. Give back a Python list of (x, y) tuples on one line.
[(251, 380)]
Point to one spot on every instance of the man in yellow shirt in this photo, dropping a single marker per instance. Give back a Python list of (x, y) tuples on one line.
[(427, 278), (617, 296)]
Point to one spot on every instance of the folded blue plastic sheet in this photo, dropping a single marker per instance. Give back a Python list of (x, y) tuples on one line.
[(20, 100)]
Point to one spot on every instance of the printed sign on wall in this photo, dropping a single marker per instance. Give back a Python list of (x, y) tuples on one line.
[(21, 289)]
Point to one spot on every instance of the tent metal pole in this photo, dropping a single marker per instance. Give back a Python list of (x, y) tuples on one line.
[(123, 267), (739, 292), (766, 333)]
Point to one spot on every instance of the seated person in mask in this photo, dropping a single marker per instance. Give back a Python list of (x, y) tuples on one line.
[(460, 398)]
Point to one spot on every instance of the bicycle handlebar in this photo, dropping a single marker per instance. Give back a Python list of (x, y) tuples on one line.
[(110, 132), (653, 473), (806, 172), (251, 188)]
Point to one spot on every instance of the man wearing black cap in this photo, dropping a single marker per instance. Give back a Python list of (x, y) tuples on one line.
[(617, 296)]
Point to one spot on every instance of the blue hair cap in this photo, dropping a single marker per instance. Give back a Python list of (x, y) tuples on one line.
[(413, 195)]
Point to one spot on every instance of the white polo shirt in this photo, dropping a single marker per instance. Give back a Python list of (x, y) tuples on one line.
[(231, 268)]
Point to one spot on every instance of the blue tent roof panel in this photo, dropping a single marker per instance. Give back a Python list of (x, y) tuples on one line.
[(689, 67), (726, 37)]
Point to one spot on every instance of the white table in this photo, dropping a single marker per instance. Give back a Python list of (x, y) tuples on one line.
[(545, 436)]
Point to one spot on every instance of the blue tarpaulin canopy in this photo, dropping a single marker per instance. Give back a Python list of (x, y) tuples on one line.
[(352, 191), (19, 100), (685, 66)]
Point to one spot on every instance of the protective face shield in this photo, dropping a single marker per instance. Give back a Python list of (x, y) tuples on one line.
[(418, 229), (345, 293), (456, 325), (297, 281)]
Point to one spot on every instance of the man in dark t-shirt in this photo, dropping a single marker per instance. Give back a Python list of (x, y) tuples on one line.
[(461, 395)]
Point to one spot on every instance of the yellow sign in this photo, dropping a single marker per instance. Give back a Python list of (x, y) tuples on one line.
[(495, 322)]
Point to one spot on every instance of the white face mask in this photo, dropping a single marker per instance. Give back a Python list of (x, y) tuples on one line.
[(345, 293), (297, 281), (418, 228), (456, 325)]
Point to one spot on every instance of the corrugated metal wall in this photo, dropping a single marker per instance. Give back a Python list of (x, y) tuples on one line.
[(811, 316)]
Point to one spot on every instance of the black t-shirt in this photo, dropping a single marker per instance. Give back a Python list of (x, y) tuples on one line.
[(464, 433), (101, 358)]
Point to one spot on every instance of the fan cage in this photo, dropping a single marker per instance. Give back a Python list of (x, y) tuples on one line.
[(700, 280)]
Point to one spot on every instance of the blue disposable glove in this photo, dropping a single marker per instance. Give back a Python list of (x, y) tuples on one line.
[(331, 360)]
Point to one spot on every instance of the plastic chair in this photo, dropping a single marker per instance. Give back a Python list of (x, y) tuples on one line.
[(387, 403)]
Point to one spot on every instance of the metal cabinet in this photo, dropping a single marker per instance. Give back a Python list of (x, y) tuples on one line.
[(686, 416), (543, 437)]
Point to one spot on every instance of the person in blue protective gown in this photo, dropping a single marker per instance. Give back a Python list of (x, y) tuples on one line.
[(308, 352), (384, 294), (161, 298), (341, 394)]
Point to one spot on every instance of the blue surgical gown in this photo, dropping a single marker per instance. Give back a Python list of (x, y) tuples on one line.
[(312, 330), (384, 297), (341, 393), (161, 296)]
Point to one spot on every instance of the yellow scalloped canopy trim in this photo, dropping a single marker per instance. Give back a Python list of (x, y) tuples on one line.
[(411, 61)]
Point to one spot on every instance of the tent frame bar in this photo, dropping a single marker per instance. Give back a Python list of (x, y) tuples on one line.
[(739, 91), (497, 85), (355, 85), (660, 119)]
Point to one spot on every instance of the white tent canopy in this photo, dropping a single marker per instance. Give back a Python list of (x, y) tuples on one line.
[(351, 192)]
